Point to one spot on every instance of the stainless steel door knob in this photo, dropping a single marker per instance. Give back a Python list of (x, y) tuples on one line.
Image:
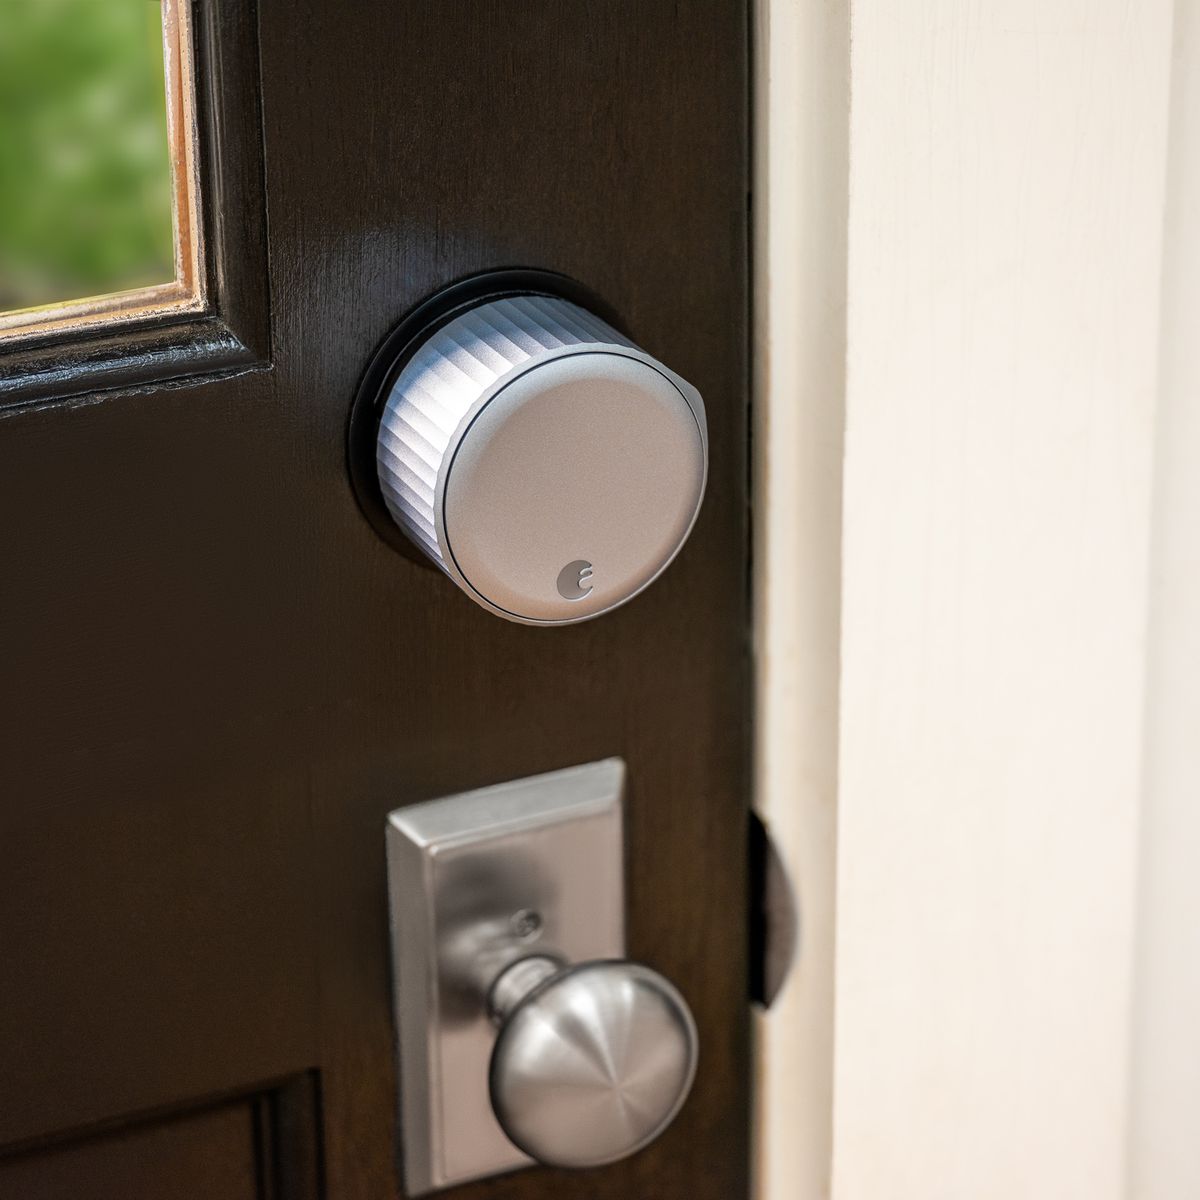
[(592, 1061), (545, 463), (523, 1033)]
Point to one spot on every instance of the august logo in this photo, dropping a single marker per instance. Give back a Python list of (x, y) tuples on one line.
[(575, 580)]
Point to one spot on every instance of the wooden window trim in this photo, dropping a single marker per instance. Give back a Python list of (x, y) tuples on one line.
[(186, 292), (215, 316)]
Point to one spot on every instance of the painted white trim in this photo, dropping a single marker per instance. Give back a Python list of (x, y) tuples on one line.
[(1165, 1097), (1015, 1007), (801, 122), (1007, 186)]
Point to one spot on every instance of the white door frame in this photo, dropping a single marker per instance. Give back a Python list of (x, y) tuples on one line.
[(983, 186)]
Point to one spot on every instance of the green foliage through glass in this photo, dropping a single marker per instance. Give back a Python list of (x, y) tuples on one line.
[(85, 161)]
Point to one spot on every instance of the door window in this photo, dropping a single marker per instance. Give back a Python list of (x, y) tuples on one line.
[(98, 195)]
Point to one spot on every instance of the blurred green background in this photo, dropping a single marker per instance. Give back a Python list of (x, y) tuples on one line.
[(85, 171)]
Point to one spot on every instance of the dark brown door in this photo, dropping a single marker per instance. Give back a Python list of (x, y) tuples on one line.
[(218, 679)]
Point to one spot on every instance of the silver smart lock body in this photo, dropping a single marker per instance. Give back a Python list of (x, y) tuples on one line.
[(545, 463)]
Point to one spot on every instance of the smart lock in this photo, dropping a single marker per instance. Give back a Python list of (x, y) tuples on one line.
[(532, 452)]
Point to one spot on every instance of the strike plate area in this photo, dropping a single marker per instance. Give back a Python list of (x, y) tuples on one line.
[(476, 881)]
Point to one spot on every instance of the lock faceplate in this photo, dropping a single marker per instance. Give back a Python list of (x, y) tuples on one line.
[(477, 881)]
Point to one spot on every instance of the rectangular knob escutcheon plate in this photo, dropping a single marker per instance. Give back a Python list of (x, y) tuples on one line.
[(476, 881)]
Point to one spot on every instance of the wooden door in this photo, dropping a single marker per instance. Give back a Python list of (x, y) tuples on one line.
[(218, 679)]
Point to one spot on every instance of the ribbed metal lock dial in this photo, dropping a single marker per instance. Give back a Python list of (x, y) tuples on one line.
[(550, 467)]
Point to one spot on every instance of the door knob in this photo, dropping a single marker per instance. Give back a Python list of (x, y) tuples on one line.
[(550, 467), (592, 1062), (523, 1033)]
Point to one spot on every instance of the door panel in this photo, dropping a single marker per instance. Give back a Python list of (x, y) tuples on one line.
[(252, 1147), (209, 1155), (219, 679)]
